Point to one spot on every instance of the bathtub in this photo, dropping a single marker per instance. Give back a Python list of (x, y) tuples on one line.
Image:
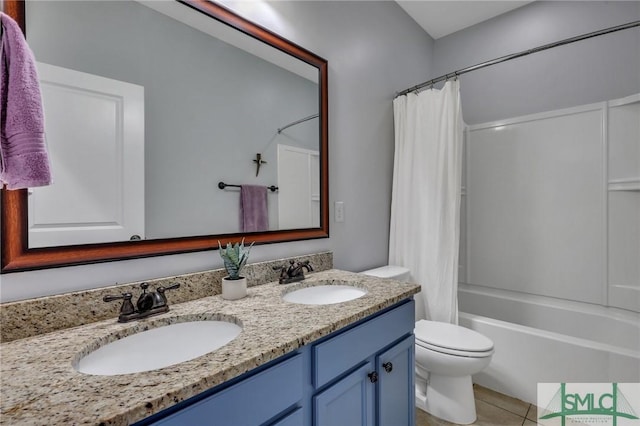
[(540, 339)]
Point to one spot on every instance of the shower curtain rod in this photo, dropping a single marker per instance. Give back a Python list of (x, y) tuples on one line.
[(302, 120), (518, 55)]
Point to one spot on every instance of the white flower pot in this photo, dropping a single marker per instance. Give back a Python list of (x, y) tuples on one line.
[(234, 289)]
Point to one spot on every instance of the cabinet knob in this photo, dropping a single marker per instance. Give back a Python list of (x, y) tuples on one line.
[(373, 377), (388, 367)]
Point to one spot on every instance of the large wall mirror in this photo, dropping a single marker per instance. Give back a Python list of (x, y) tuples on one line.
[(157, 113)]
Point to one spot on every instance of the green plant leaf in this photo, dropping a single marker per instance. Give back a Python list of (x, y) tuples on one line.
[(234, 257)]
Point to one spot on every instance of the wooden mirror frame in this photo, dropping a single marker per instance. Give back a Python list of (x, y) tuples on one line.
[(16, 254)]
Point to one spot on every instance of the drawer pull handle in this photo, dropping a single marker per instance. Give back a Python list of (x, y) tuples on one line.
[(388, 367), (373, 377)]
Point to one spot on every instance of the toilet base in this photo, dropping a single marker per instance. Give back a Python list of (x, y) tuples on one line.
[(448, 398)]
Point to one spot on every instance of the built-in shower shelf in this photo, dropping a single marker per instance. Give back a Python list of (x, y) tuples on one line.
[(624, 185)]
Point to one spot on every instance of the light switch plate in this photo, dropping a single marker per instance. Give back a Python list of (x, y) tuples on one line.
[(338, 211)]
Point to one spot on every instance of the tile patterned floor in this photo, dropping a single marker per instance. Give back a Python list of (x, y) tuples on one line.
[(493, 409)]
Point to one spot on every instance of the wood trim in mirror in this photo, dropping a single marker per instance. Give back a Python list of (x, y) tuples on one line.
[(16, 254)]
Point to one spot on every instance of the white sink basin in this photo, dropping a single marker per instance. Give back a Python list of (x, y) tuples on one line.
[(324, 294), (159, 347)]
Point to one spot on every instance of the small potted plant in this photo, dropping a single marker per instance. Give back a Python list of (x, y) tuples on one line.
[(235, 258)]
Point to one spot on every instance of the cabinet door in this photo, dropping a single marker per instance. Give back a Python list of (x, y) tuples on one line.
[(349, 402), (395, 404)]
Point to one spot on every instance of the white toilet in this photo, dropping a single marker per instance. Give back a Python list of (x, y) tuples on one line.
[(447, 355)]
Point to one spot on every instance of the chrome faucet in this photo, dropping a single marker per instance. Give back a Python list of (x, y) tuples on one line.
[(149, 303), (294, 272)]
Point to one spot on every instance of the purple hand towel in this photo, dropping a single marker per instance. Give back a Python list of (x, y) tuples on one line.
[(254, 216), (24, 160)]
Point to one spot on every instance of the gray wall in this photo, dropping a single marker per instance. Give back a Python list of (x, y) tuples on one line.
[(592, 70), (374, 49)]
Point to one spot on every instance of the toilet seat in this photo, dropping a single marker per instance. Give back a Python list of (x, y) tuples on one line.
[(452, 339), (453, 352)]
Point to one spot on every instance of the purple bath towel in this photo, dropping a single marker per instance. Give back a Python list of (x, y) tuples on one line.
[(254, 216), (24, 160)]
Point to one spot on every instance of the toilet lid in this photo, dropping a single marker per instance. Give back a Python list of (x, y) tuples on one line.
[(451, 337)]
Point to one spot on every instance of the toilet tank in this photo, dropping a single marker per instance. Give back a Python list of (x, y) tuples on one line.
[(399, 273)]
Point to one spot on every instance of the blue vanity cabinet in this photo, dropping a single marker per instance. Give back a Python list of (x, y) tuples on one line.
[(386, 390), (365, 376), (358, 376)]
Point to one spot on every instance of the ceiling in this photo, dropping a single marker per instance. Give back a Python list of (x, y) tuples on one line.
[(441, 18)]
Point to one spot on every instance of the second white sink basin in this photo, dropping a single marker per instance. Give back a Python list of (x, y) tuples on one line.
[(159, 347), (324, 294)]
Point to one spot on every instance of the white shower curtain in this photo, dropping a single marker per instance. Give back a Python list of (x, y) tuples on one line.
[(425, 208)]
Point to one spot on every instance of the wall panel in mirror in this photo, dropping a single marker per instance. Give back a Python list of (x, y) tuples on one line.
[(213, 90)]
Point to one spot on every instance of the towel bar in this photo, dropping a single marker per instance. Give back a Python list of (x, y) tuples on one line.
[(223, 185)]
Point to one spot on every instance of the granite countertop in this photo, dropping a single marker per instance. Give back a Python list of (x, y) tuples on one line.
[(39, 384)]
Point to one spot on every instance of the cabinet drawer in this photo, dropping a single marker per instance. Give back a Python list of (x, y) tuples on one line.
[(249, 402), (346, 350)]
